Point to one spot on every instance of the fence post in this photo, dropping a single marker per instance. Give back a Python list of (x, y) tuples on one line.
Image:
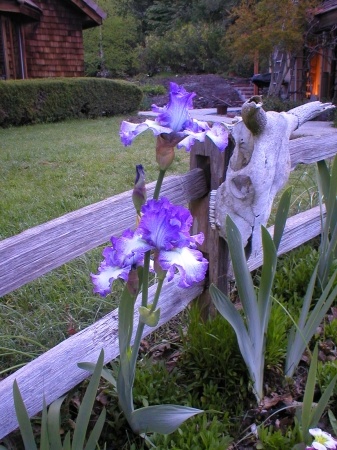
[(206, 156)]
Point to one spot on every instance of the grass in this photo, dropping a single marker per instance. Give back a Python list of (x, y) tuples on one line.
[(46, 171), (50, 169)]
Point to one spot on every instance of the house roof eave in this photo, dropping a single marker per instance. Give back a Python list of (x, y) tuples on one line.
[(94, 15), (325, 7), (26, 8)]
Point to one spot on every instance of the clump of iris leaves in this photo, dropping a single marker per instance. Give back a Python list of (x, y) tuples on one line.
[(197, 362)]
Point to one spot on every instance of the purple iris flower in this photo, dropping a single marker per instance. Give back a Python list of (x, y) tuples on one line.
[(163, 228), (174, 120)]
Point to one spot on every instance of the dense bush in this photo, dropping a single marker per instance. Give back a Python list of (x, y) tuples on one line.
[(50, 100), (193, 48)]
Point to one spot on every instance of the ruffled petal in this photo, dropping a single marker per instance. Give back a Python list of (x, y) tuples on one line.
[(107, 275), (187, 142), (164, 225), (190, 263), (219, 135), (129, 248), (129, 131), (175, 115), (318, 446)]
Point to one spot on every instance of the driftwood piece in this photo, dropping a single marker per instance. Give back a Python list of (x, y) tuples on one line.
[(259, 167), (34, 252), (55, 372)]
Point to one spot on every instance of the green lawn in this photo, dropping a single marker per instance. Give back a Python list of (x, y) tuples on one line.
[(46, 171)]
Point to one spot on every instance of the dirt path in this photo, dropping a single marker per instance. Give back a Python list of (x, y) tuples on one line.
[(211, 89)]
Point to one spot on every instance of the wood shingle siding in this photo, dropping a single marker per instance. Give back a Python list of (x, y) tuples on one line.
[(43, 39)]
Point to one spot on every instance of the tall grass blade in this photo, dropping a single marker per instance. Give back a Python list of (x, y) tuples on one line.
[(323, 178), (333, 421), (328, 190), (267, 279), (243, 278), (321, 308), (67, 442), (322, 403), (96, 432), (106, 374), (308, 398), (163, 419), (44, 442), (281, 216), (296, 338), (54, 414), (86, 407), (23, 419), (228, 311)]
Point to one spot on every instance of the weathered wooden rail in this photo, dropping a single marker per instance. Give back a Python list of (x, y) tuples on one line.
[(37, 251)]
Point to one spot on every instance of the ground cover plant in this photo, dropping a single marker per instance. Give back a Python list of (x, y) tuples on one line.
[(216, 427)]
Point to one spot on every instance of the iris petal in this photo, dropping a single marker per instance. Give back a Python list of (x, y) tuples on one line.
[(164, 225), (175, 121), (192, 266), (107, 274)]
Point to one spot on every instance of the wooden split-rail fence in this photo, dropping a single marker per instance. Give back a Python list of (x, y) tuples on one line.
[(33, 253)]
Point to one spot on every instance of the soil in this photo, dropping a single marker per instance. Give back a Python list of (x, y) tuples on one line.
[(211, 90)]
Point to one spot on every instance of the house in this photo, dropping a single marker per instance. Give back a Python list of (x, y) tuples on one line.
[(43, 38), (321, 73), (311, 74)]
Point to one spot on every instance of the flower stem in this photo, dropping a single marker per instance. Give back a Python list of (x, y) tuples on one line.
[(157, 294), (159, 183), (145, 286)]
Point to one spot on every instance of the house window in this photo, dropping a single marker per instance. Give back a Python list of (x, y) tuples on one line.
[(11, 50), (2, 54)]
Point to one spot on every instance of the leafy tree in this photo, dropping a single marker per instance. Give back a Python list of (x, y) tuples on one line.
[(269, 28), (110, 48), (160, 17), (192, 48)]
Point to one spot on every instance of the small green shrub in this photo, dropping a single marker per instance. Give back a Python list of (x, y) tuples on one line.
[(271, 439), (50, 100), (276, 343), (293, 275), (330, 330), (211, 355), (197, 434), (279, 105), (153, 89), (326, 371)]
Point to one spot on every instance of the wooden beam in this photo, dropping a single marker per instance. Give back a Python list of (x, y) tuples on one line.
[(310, 149), (56, 372), (299, 229), (36, 251), (206, 156)]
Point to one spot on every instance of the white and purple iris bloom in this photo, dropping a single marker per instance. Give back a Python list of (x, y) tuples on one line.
[(164, 228), (322, 440), (174, 120)]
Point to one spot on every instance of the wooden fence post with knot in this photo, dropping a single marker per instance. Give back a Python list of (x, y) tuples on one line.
[(206, 156)]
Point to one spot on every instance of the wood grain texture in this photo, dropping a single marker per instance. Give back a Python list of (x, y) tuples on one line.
[(310, 149), (55, 372), (38, 250), (299, 229)]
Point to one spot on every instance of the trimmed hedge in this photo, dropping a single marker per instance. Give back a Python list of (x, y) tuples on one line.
[(53, 99)]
